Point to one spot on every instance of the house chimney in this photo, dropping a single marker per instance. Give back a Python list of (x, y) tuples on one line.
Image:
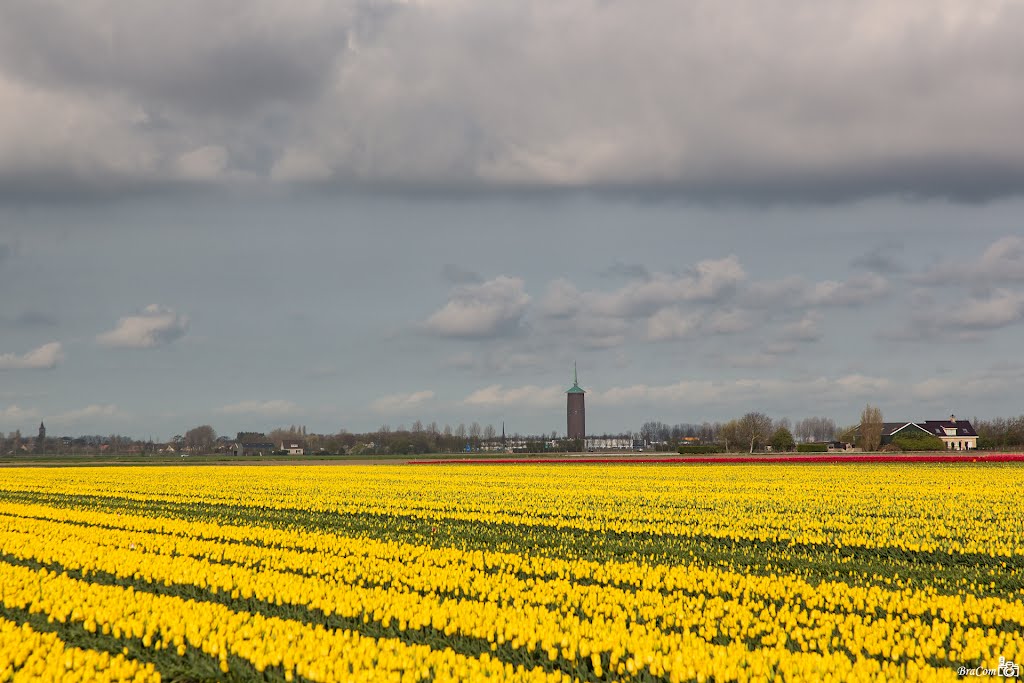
[(952, 418)]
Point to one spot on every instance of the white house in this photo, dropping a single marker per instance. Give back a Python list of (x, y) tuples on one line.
[(293, 446)]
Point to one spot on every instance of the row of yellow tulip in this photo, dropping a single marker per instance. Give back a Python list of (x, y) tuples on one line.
[(568, 585), (29, 655), (171, 623), (333, 555), (916, 508), (563, 619), (246, 544)]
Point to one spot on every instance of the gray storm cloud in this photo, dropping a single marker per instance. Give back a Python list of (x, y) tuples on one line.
[(749, 100)]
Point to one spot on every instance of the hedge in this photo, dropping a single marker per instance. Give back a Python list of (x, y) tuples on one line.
[(919, 441), (690, 450), (812, 448)]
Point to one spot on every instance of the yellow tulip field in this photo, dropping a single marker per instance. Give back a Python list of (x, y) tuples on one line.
[(586, 572)]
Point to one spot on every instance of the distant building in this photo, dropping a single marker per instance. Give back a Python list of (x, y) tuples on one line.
[(957, 435), (41, 441), (575, 410), (252, 448), (623, 442), (293, 446)]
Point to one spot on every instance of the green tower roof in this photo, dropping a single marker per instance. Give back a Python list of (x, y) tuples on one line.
[(575, 388)]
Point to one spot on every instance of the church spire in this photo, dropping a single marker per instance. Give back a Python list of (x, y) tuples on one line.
[(575, 388)]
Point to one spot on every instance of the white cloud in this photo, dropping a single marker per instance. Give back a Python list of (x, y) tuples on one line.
[(155, 326), (561, 300), (714, 297), (1001, 262), (963, 321), (14, 415), (599, 319), (761, 359), (804, 330), (489, 309), (45, 357), (90, 412), (398, 403), (794, 292), (709, 280), (591, 331), (85, 417), (48, 133), (202, 163), (739, 392), (788, 292), (297, 165), (671, 323), (864, 385), (271, 408), (1000, 309), (506, 359), (949, 392), (857, 291), (742, 391), (731, 322), (529, 396), (1004, 259), (780, 348)]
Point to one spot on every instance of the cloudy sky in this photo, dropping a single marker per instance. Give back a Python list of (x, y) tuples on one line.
[(254, 214)]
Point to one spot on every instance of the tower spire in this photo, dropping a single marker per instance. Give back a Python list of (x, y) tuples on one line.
[(575, 380)]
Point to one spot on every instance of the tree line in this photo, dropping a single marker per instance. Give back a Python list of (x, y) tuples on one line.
[(751, 432)]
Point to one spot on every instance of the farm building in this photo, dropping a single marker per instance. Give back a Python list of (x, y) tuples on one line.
[(957, 435)]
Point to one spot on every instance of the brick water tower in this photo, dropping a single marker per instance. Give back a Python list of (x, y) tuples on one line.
[(575, 411)]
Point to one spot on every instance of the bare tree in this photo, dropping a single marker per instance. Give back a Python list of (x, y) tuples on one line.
[(654, 431), (447, 430), (729, 434), (871, 425), (815, 429), (460, 431), (200, 439), (754, 428), (489, 432), (706, 432), (803, 430), (826, 428), (417, 427)]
